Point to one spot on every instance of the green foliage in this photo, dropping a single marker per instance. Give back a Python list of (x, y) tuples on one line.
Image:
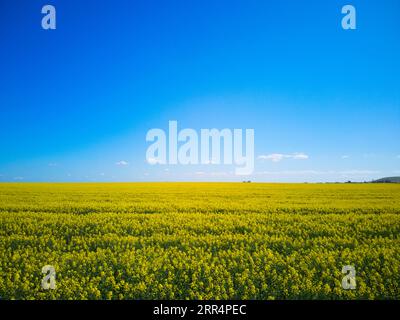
[(199, 241)]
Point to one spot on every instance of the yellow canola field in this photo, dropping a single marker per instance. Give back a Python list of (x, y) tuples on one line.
[(199, 240)]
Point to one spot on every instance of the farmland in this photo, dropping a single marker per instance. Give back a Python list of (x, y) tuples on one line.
[(199, 240)]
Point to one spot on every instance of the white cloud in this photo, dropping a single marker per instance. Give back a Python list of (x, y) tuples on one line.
[(276, 157), (18, 178), (52, 164), (122, 163), (300, 156), (152, 160), (345, 156)]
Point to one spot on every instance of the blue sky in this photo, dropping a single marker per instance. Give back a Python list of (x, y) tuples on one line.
[(76, 102)]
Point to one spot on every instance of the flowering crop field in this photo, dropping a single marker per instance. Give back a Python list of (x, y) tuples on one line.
[(199, 240)]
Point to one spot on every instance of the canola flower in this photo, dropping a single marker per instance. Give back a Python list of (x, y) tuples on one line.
[(199, 240)]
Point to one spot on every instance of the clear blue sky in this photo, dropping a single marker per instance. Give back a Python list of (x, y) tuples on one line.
[(78, 100)]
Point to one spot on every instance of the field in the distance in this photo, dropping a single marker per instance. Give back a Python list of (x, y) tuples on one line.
[(199, 240)]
